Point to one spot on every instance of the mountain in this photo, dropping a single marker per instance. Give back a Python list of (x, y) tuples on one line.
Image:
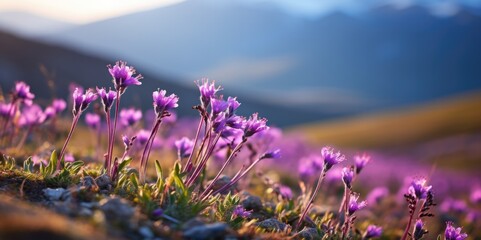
[(338, 63), (50, 69), (30, 25)]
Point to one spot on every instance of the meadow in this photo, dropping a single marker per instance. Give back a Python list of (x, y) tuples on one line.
[(108, 172)]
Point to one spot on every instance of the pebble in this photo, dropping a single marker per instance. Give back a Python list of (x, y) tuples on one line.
[(103, 181), (56, 194), (272, 224), (308, 234), (208, 231), (252, 203), (146, 232), (116, 210)]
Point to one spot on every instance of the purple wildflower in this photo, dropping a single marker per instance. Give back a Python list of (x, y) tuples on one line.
[(354, 205), (6, 110), (92, 120), (59, 105), (476, 196), (452, 233), (22, 92), (157, 213), (233, 105), (219, 123), (39, 160), (372, 231), (218, 106), (418, 190), (361, 161), (31, 115), (142, 137), (49, 112), (347, 176), (235, 122), (184, 147), (305, 171), (239, 211), (274, 154), (122, 76), (164, 103), (207, 91), (107, 98), (129, 117), (82, 101), (254, 125), (452, 205), (284, 191), (419, 230), (377, 194), (69, 157), (331, 158)]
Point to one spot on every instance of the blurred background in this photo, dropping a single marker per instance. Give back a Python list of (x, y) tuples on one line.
[(368, 74)]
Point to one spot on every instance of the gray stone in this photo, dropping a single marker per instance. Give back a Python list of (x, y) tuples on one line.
[(85, 212), (88, 183), (194, 222), (272, 225), (117, 210), (103, 181), (146, 232), (252, 203), (222, 181), (308, 234), (57, 194), (208, 231)]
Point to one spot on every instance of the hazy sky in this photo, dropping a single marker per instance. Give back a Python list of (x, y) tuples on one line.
[(82, 11)]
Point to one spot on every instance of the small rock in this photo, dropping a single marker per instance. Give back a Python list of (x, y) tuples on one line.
[(194, 222), (272, 224), (146, 232), (85, 212), (222, 181), (103, 181), (208, 231), (308, 234), (116, 210), (89, 205), (56, 194), (252, 203), (88, 183)]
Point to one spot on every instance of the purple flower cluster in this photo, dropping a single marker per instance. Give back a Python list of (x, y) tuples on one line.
[(418, 189), (123, 76), (163, 103), (452, 233), (82, 100), (22, 93), (184, 147), (331, 157), (130, 116), (372, 231)]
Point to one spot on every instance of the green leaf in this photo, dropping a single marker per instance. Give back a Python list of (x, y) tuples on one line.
[(134, 180), (28, 164), (52, 165), (158, 169), (124, 164)]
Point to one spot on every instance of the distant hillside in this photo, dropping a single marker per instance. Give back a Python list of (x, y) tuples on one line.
[(384, 58), (22, 59), (31, 25), (405, 127)]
